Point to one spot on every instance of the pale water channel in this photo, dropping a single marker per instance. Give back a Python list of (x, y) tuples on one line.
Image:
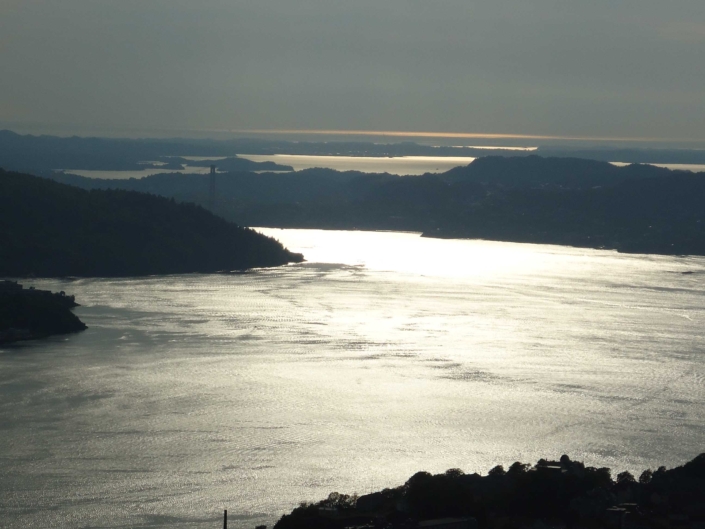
[(383, 355), (399, 165)]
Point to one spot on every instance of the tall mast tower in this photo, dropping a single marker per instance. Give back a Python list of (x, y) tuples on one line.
[(211, 190)]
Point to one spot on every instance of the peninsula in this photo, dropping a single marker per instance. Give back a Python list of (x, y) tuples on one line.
[(28, 314), (54, 230)]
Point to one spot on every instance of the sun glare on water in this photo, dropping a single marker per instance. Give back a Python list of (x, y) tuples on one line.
[(400, 253)]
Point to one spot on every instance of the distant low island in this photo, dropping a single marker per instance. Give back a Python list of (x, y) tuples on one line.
[(226, 165), (28, 314), (49, 229), (30, 153), (566, 201), (550, 494)]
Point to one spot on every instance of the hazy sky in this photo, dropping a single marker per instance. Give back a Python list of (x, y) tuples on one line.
[(618, 68)]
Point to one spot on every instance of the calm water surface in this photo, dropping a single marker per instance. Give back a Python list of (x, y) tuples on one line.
[(383, 355), (399, 165), (126, 175)]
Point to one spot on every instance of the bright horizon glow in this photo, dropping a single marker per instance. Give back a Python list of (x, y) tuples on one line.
[(495, 147), (199, 133), (461, 135)]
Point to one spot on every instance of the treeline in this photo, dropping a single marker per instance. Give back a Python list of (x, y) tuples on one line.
[(51, 229), (561, 493), (637, 208)]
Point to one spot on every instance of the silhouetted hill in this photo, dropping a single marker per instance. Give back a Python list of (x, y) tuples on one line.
[(303, 186), (648, 215), (51, 229), (626, 155), (561, 493), (536, 171)]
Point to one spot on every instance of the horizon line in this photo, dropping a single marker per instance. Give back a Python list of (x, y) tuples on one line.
[(358, 132), (466, 135)]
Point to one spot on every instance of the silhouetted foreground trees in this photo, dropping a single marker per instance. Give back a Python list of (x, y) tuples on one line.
[(561, 493), (50, 229), (27, 314)]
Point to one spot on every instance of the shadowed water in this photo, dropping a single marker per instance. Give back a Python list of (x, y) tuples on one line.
[(383, 355)]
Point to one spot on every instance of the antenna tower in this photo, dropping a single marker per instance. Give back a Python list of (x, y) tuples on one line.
[(211, 190)]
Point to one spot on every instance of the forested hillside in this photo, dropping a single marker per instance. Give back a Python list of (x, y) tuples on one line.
[(51, 229)]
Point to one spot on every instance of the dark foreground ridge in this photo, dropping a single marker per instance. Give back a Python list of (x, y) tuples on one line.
[(550, 494), (27, 314), (50, 229)]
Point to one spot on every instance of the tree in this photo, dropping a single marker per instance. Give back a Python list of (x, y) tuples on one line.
[(454, 473), (646, 476), (518, 468), (497, 471), (625, 477)]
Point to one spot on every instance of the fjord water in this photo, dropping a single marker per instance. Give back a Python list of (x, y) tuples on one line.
[(398, 165), (383, 355)]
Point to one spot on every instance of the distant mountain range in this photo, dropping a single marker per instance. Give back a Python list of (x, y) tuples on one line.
[(47, 153), (636, 208), (50, 153)]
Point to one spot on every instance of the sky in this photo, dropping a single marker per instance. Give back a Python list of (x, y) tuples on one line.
[(597, 68)]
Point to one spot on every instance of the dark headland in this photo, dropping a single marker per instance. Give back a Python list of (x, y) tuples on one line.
[(561, 494), (49, 229), (28, 314)]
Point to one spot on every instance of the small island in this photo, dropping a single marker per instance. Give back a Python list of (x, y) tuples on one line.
[(226, 165), (561, 494), (28, 314)]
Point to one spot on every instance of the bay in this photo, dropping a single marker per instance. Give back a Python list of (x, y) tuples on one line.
[(383, 355)]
